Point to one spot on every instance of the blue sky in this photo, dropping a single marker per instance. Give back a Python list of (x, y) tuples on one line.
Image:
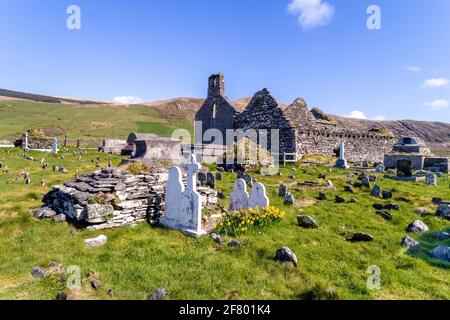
[(320, 50)]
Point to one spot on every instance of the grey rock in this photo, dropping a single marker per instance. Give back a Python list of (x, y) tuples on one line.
[(218, 239), (353, 200), (44, 213), (97, 242), (376, 191), (307, 222), (218, 176), (158, 295), (443, 211), (422, 211), (95, 284), (285, 255), (236, 244), (392, 206), (59, 218), (289, 199), (417, 226), (384, 215), (411, 244), (61, 296), (361, 237), (387, 195), (441, 236), (283, 190), (322, 196), (348, 189), (96, 211), (441, 253), (38, 272), (339, 199)]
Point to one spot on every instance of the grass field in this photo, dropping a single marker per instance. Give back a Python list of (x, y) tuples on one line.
[(83, 122), (138, 260)]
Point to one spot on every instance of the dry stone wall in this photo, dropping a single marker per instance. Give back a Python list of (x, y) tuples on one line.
[(110, 198), (359, 146)]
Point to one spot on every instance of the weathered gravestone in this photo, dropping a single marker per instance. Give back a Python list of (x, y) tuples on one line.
[(342, 163), (184, 205), (55, 145), (431, 180), (283, 190), (210, 180), (239, 196), (259, 197), (202, 178)]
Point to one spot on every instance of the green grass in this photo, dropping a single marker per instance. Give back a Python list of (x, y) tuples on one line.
[(138, 260), (83, 122)]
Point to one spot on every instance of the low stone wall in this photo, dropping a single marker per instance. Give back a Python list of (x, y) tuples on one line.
[(358, 147), (437, 164), (110, 198)]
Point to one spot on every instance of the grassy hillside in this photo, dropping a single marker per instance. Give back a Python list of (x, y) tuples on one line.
[(88, 122), (138, 260)]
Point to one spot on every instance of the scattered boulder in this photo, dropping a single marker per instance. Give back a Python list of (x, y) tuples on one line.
[(38, 272), (59, 218), (289, 199), (373, 178), (378, 206), (384, 215), (349, 189), (392, 206), (96, 242), (411, 244), (339, 199), (330, 184), (417, 226), (380, 168), (219, 176), (236, 244), (353, 200), (431, 180), (307, 222), (62, 296), (437, 201), (361, 237), (283, 190), (285, 255), (365, 182), (422, 211), (387, 195), (44, 213), (376, 191), (443, 211), (218, 239), (95, 284), (322, 196), (441, 253), (441, 236), (158, 295), (221, 195)]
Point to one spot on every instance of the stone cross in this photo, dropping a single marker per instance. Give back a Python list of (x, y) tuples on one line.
[(55, 145), (239, 196), (184, 205), (259, 197)]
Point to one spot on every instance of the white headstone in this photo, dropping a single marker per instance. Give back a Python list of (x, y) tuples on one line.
[(54, 145), (259, 197), (431, 179), (342, 163), (184, 206), (239, 196), (25, 146)]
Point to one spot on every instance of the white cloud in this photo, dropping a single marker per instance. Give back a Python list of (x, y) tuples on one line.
[(357, 115), (439, 104), (379, 118), (311, 13), (127, 100), (435, 83), (413, 68)]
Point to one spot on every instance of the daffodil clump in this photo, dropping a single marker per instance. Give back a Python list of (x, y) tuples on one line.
[(242, 220)]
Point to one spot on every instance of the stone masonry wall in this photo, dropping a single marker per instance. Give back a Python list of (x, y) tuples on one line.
[(359, 147)]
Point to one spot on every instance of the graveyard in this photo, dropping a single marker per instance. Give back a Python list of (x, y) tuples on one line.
[(336, 222)]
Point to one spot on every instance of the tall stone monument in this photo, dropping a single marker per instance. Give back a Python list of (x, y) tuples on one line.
[(55, 145), (342, 163), (25, 141)]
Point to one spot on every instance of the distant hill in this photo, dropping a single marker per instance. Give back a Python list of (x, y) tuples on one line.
[(99, 118), (4, 94)]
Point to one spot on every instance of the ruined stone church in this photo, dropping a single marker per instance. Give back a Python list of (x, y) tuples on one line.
[(301, 131)]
